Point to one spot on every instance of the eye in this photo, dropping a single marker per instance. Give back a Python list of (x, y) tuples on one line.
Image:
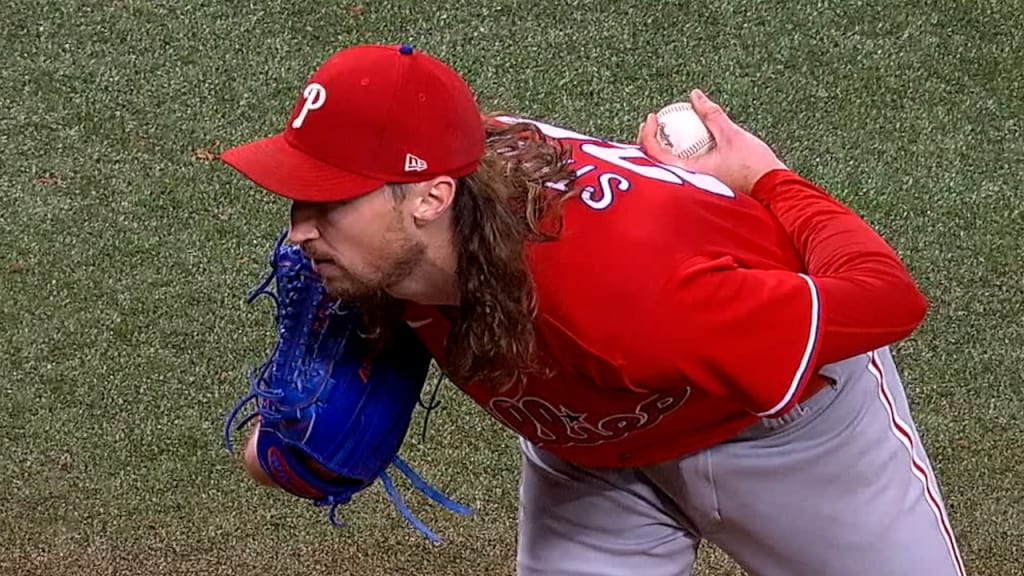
[(314, 210), (301, 208)]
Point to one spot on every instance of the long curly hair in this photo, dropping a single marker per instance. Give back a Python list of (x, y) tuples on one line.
[(513, 198)]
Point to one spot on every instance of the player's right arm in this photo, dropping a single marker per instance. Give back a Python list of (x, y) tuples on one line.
[(867, 295), (760, 334)]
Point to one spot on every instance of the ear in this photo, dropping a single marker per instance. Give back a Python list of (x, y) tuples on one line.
[(433, 199)]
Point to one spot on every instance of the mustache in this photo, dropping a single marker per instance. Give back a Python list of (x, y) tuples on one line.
[(312, 254)]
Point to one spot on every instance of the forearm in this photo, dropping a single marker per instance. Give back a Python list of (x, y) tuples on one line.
[(867, 296)]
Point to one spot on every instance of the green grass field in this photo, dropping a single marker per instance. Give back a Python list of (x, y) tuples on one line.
[(125, 251)]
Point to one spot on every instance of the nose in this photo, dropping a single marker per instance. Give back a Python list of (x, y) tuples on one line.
[(303, 226)]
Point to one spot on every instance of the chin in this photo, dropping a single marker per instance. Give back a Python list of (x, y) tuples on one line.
[(347, 290)]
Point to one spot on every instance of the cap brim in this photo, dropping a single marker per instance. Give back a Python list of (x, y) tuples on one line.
[(275, 165)]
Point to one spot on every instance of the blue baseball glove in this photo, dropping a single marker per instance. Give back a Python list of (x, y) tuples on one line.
[(333, 412)]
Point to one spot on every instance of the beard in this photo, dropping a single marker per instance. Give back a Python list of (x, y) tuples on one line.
[(396, 266)]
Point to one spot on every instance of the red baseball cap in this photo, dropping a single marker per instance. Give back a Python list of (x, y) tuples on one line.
[(368, 116)]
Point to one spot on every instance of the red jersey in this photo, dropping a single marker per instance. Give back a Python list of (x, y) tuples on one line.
[(673, 312)]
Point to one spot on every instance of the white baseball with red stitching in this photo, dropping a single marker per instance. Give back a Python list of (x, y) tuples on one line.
[(681, 130)]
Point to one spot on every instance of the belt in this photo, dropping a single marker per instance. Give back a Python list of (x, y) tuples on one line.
[(807, 402), (817, 384)]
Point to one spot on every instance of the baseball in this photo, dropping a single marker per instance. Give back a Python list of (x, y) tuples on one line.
[(680, 129)]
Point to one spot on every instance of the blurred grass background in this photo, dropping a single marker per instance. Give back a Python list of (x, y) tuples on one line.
[(125, 249)]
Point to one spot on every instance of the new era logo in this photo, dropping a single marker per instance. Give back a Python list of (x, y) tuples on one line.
[(414, 164)]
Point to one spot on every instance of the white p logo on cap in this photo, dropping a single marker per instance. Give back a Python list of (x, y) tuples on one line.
[(315, 96)]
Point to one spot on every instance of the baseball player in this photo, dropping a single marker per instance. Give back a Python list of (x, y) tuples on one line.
[(687, 349)]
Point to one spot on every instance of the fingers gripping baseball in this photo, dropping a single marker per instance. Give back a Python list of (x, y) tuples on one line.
[(647, 138), (712, 115), (709, 113), (738, 159)]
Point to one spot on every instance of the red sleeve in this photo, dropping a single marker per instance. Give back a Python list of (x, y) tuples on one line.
[(751, 335), (759, 335), (870, 298)]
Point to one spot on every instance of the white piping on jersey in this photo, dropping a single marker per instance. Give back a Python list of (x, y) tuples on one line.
[(808, 350)]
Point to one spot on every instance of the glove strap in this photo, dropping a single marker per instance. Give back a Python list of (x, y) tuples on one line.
[(429, 491), (396, 499)]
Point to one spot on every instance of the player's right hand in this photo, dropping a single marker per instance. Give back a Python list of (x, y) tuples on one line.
[(738, 159)]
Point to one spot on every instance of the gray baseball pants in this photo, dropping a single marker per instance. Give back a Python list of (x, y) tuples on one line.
[(840, 486)]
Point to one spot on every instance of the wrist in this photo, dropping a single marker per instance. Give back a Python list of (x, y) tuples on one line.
[(767, 182)]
